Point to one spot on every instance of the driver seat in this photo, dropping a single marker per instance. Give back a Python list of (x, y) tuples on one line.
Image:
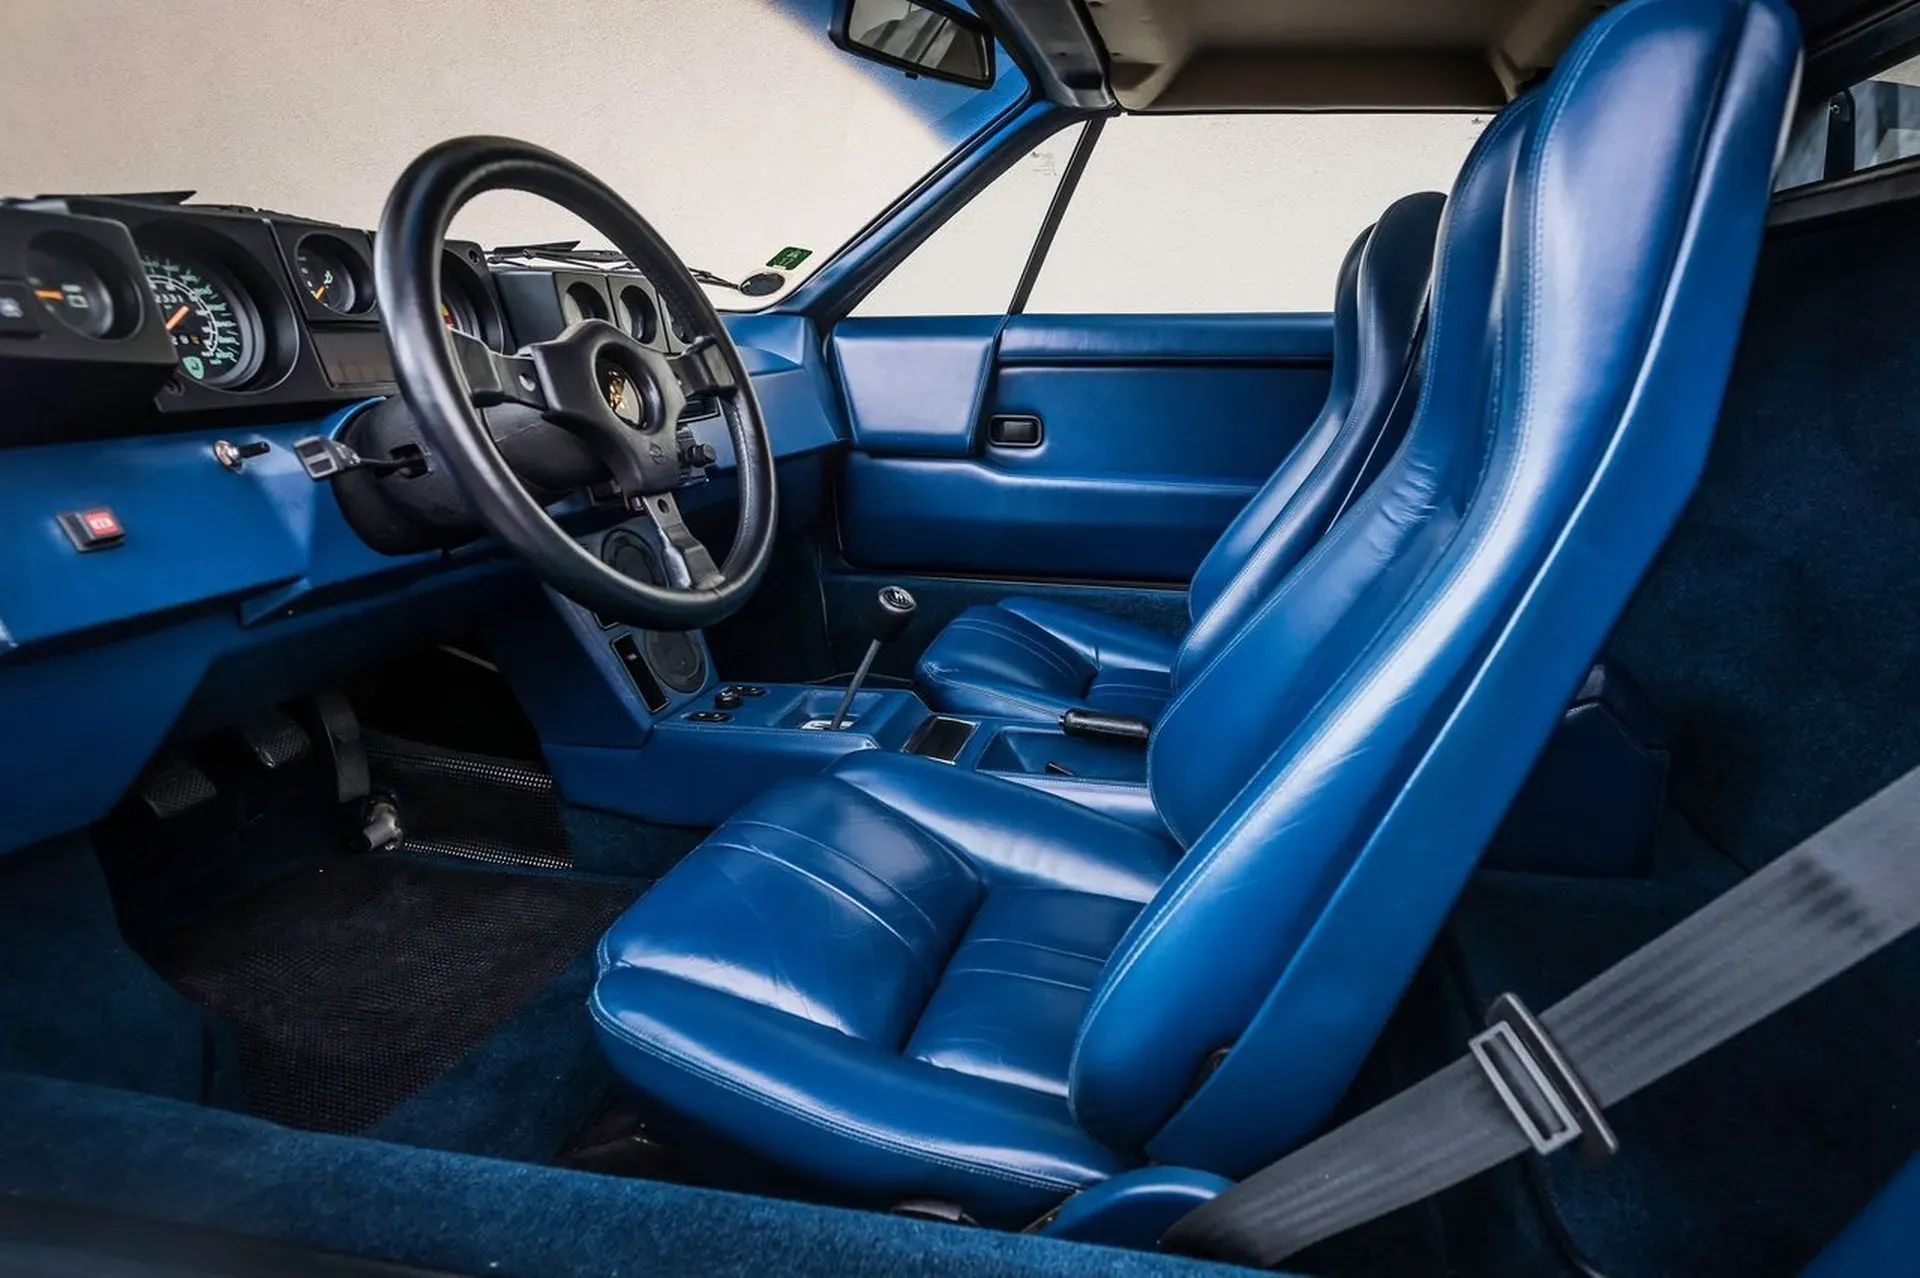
[(903, 980)]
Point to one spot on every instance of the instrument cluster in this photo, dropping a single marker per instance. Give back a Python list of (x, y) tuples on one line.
[(135, 315)]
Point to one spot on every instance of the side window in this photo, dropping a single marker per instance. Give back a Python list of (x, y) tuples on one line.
[(1199, 213), (1873, 123), (972, 264)]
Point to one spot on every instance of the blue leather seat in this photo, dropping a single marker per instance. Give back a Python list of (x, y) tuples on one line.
[(1034, 658), (900, 979)]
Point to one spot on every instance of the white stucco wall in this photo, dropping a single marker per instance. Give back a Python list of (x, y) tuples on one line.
[(735, 129)]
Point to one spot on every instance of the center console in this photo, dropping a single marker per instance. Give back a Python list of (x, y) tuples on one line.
[(708, 759), (636, 721)]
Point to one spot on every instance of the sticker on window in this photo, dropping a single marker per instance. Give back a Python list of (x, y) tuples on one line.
[(789, 258)]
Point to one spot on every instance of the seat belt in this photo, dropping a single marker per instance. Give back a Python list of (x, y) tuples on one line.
[(1540, 1083)]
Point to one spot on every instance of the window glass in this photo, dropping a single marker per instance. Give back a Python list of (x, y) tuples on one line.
[(972, 264), (1196, 213), (734, 126), (1875, 122)]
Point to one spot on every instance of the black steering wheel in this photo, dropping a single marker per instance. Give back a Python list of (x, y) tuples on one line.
[(620, 398)]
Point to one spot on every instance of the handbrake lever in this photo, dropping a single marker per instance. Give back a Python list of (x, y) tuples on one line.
[(1098, 725)]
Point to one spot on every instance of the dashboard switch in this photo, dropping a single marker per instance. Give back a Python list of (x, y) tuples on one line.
[(95, 529)]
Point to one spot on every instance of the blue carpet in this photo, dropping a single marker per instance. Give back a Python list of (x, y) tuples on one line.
[(85, 1146)]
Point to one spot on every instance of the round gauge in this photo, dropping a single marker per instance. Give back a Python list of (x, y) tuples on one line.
[(457, 312), (216, 331), (71, 291), (582, 301), (325, 275), (637, 313)]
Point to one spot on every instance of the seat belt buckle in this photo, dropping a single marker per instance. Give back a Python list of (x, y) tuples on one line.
[(1549, 1103)]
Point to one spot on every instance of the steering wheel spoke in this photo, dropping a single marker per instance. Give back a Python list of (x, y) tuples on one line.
[(702, 368), (689, 564), (493, 378)]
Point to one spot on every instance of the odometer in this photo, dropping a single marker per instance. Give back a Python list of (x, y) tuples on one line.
[(215, 330)]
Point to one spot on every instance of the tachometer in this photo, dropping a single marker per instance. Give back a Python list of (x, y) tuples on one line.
[(215, 329)]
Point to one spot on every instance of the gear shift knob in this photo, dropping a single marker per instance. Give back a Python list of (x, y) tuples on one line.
[(892, 611)]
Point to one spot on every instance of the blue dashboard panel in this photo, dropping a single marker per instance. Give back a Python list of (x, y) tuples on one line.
[(783, 355), (236, 590)]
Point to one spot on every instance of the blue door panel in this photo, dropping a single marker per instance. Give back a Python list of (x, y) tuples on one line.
[(1305, 339), (969, 515), (1156, 430), (1226, 424)]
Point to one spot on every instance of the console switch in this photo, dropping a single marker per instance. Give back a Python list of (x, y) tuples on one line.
[(95, 529)]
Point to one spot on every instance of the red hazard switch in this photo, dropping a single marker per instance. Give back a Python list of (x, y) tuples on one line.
[(95, 529)]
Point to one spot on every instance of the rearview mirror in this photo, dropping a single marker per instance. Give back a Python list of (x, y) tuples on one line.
[(920, 37)]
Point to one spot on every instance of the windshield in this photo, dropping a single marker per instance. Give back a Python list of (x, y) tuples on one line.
[(734, 126)]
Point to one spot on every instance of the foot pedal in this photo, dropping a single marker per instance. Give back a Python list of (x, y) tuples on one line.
[(171, 785), (351, 777), (276, 740)]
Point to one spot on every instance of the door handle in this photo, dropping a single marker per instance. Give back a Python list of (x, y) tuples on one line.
[(1015, 431)]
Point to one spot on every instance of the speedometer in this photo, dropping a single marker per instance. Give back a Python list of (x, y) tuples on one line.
[(215, 329)]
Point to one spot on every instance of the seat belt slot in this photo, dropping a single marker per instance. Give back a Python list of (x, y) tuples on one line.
[(1549, 1103)]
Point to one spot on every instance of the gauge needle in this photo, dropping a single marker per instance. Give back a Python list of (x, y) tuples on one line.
[(49, 294), (320, 292), (175, 318)]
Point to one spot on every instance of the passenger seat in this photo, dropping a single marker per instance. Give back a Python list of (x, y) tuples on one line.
[(1036, 659)]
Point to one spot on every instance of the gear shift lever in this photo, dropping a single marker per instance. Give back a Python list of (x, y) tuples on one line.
[(892, 611)]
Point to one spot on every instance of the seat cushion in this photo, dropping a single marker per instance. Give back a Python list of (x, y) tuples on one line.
[(1025, 969), (875, 977), (1036, 659)]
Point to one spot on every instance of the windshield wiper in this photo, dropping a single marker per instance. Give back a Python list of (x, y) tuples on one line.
[(569, 253)]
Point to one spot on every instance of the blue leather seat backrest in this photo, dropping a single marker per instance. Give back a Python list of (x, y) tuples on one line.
[(1217, 570), (1336, 770), (1320, 477)]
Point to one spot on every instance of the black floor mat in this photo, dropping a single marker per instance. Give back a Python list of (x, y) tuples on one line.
[(352, 984)]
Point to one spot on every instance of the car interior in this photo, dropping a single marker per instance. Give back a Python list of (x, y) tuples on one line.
[(535, 759)]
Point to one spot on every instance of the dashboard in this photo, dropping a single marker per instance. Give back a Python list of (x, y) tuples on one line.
[(145, 314), (161, 366)]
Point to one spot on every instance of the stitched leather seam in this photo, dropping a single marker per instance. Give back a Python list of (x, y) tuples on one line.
[(1035, 945), (816, 1118), (1025, 642), (1014, 976), (836, 890), (838, 855), (892, 815), (1016, 638), (1324, 547), (996, 694), (1152, 924)]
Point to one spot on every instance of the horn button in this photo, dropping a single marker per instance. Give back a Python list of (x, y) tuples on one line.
[(621, 398)]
